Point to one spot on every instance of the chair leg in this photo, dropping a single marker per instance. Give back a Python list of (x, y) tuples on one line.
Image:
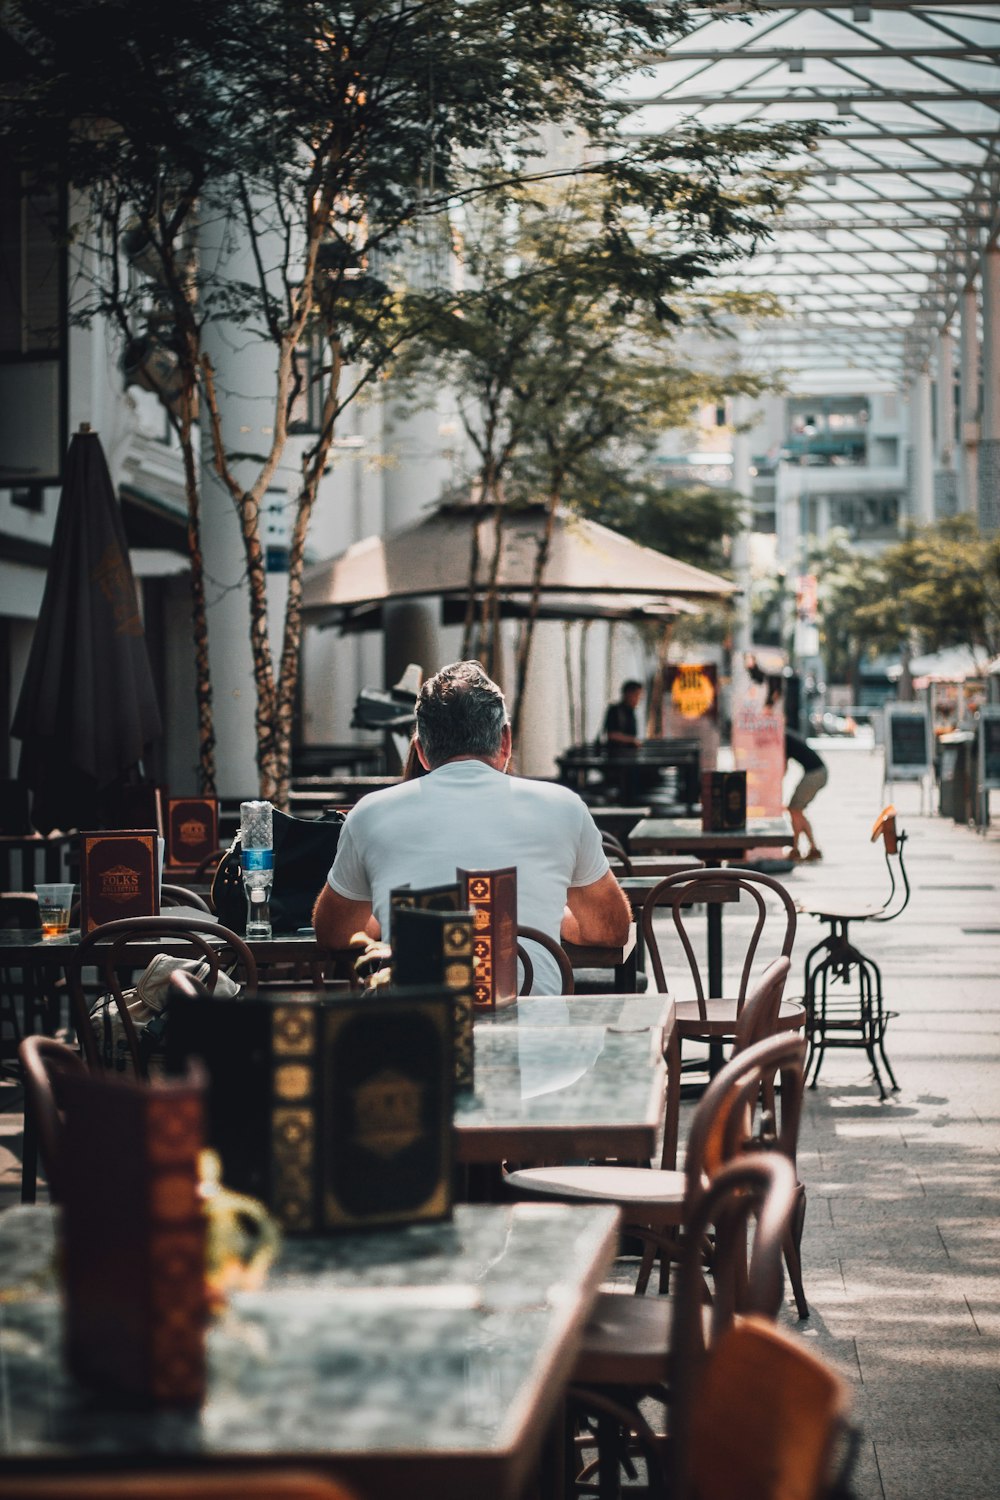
[(868, 1028), (881, 1021), (793, 1253)]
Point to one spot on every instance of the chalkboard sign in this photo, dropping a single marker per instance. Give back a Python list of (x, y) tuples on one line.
[(989, 746), (907, 742)]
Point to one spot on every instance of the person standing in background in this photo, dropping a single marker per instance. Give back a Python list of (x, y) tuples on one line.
[(814, 777), (621, 731)]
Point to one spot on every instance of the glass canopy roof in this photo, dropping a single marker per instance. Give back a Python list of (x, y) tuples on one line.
[(900, 196)]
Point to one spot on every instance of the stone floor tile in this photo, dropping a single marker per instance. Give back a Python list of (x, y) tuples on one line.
[(965, 1469)]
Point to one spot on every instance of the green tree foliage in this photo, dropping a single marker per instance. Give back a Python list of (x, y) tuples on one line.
[(938, 587), (562, 348), (320, 136)]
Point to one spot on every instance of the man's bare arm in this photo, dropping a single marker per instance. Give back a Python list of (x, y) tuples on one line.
[(598, 913), (336, 919)]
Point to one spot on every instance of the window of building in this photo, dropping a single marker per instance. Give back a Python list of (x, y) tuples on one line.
[(32, 330)]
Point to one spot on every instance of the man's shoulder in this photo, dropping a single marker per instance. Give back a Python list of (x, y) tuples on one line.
[(377, 804), (547, 794)]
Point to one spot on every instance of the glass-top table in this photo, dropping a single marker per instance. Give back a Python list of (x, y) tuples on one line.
[(429, 1359), (558, 1078)]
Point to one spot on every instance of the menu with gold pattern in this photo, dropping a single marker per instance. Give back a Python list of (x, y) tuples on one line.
[(117, 876), (192, 829), (491, 896), (134, 1237), (334, 1111)]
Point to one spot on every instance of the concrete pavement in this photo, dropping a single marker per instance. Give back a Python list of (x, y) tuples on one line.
[(901, 1253)]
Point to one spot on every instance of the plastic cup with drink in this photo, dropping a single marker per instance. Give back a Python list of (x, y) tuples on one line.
[(54, 902)]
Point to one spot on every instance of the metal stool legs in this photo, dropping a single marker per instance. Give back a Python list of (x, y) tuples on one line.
[(844, 1005)]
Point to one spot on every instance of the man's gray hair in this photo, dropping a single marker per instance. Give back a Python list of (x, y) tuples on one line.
[(460, 711)]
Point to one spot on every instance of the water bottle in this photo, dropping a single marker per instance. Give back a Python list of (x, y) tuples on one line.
[(257, 859)]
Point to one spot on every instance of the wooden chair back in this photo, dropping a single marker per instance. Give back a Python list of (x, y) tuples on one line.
[(759, 1016), (557, 951), (766, 1410), (44, 1062), (107, 949), (616, 852), (723, 1123), (179, 895), (769, 898), (758, 1021), (752, 1197)]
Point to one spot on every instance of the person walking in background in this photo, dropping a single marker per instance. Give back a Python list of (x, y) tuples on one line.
[(814, 777)]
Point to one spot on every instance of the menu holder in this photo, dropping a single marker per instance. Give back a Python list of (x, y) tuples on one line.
[(491, 896), (134, 1237), (433, 948), (192, 829), (723, 800), (118, 876), (334, 1111)]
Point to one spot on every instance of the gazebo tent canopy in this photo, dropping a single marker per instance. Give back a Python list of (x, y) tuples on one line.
[(591, 570)]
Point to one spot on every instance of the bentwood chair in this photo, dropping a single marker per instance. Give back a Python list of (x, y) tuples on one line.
[(663, 1358), (554, 949), (179, 895), (766, 1410), (108, 949), (713, 1018), (44, 1063), (843, 985), (655, 1202)]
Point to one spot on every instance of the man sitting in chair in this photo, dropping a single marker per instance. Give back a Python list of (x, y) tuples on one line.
[(467, 813)]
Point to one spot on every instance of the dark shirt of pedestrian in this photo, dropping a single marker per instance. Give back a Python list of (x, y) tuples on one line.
[(814, 777), (621, 729)]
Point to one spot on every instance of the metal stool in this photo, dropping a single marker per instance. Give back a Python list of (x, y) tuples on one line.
[(843, 986)]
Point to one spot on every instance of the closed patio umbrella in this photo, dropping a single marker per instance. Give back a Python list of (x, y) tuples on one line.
[(87, 709)]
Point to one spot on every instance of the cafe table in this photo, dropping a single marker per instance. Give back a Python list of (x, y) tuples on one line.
[(558, 1078), (426, 1360)]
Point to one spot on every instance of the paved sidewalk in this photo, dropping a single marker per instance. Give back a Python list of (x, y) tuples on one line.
[(901, 1252), (902, 1237)]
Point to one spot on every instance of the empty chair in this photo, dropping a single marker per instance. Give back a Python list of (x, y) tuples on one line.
[(44, 1061), (635, 1348), (557, 951), (654, 1201), (764, 1409), (843, 985), (123, 947), (713, 1017)]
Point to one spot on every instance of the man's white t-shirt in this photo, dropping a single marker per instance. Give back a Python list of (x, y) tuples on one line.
[(467, 815)]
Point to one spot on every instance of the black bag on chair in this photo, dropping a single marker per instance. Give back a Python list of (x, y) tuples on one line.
[(303, 853)]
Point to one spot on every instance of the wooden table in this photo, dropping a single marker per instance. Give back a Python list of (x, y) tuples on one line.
[(686, 836), (559, 1077), (429, 1360)]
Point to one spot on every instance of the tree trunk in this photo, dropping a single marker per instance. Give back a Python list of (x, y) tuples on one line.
[(199, 617), (528, 631), (291, 648)]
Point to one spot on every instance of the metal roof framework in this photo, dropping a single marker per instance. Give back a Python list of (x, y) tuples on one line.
[(901, 195)]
